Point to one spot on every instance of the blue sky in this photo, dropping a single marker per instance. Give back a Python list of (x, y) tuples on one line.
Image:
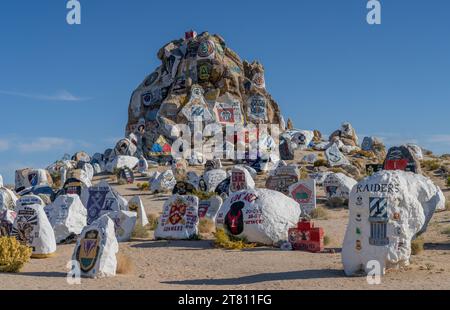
[(67, 88)]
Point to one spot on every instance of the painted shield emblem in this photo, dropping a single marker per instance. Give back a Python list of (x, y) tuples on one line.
[(206, 49), (87, 253), (177, 212)]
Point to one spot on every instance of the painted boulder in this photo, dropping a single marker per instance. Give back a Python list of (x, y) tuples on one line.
[(338, 186), (96, 249), (7, 218), (165, 182), (386, 211), (240, 179), (32, 228), (100, 198), (179, 219), (8, 199), (213, 178), (259, 215), (68, 216), (124, 223), (136, 205)]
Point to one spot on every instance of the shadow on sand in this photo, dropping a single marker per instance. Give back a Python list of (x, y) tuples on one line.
[(266, 277), (43, 274), (191, 245), (437, 246)]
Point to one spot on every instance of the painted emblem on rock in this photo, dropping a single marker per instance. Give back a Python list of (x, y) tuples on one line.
[(88, 251), (234, 219), (177, 212)]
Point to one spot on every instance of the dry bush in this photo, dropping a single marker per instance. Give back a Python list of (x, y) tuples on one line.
[(124, 264), (141, 232), (362, 153), (223, 240), (337, 202), (321, 163), (448, 181), (304, 174), (143, 186), (417, 246), (431, 165), (203, 195), (319, 213), (326, 240), (206, 226), (153, 219), (13, 255)]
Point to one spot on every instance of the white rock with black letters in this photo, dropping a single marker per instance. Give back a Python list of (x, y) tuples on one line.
[(386, 211)]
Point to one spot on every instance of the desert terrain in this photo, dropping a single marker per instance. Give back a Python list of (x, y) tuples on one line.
[(198, 265)]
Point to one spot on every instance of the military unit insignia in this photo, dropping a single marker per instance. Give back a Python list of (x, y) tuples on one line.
[(88, 251)]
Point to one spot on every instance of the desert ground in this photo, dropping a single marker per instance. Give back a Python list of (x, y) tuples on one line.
[(198, 265)]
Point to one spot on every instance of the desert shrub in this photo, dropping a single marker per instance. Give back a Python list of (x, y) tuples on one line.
[(124, 264), (141, 232), (143, 186), (326, 240), (337, 202), (448, 181), (223, 240), (319, 213), (152, 221), (13, 255), (203, 195), (304, 174), (338, 170), (362, 153), (417, 246), (321, 163), (206, 226), (446, 231), (431, 165)]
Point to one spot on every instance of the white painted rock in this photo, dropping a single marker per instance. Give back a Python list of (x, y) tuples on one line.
[(165, 182), (32, 228), (100, 198), (304, 192), (89, 170), (338, 185), (252, 171), (208, 208), (8, 199), (319, 177), (416, 150), (259, 215), (386, 211), (7, 218), (241, 179), (67, 215), (213, 178), (136, 205), (29, 200), (124, 223), (347, 149), (122, 161), (179, 219), (193, 178), (143, 166), (335, 157), (96, 249)]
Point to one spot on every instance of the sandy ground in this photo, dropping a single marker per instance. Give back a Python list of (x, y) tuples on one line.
[(198, 265)]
